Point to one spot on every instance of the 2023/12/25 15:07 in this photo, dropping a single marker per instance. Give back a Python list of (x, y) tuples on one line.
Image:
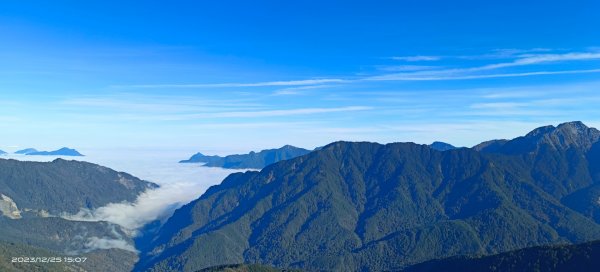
[(67, 259)]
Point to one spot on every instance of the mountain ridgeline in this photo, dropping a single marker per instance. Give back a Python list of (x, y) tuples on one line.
[(34, 196), (367, 206), (252, 160), (65, 151), (59, 152), (66, 186), (441, 146), (26, 151)]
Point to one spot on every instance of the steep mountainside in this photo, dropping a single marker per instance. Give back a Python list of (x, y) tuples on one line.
[(564, 161), (490, 146), (48, 185), (581, 257), (34, 194), (251, 160), (357, 206), (10, 250)]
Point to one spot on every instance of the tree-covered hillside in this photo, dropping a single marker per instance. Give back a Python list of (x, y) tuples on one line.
[(580, 257), (66, 186), (367, 206)]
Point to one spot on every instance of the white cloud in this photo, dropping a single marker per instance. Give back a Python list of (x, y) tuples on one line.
[(273, 113), (531, 59), (475, 72), (299, 90), (417, 58), (156, 204), (504, 53), (95, 243), (422, 73), (413, 77), (498, 105), (407, 68), (235, 85)]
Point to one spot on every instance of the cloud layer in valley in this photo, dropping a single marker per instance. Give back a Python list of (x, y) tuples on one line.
[(156, 204)]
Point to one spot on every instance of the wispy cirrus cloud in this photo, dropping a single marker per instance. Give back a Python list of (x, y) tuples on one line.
[(518, 58), (302, 82), (532, 59), (407, 68), (504, 53), (479, 72), (277, 113), (300, 90), (148, 107), (408, 77), (416, 58)]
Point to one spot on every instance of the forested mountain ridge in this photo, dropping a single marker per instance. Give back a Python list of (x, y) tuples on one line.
[(66, 186), (34, 196), (252, 160), (355, 206)]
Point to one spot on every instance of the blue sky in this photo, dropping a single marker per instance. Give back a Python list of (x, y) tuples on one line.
[(232, 76)]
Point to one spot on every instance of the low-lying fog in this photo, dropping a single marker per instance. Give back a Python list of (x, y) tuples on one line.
[(179, 183)]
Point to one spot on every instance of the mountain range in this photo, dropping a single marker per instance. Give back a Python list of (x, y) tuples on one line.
[(26, 151), (66, 186), (368, 206), (34, 197), (59, 152), (252, 160), (529, 203)]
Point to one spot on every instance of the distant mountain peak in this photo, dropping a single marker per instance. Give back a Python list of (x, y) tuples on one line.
[(575, 127), (564, 136), (26, 151), (65, 151), (256, 160), (441, 146)]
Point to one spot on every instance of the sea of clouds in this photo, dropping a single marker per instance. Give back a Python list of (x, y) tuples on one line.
[(180, 183)]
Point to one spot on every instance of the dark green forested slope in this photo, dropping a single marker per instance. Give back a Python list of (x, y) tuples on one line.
[(66, 186), (367, 206), (252, 160), (34, 194), (113, 260), (245, 268), (580, 257), (8, 251)]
